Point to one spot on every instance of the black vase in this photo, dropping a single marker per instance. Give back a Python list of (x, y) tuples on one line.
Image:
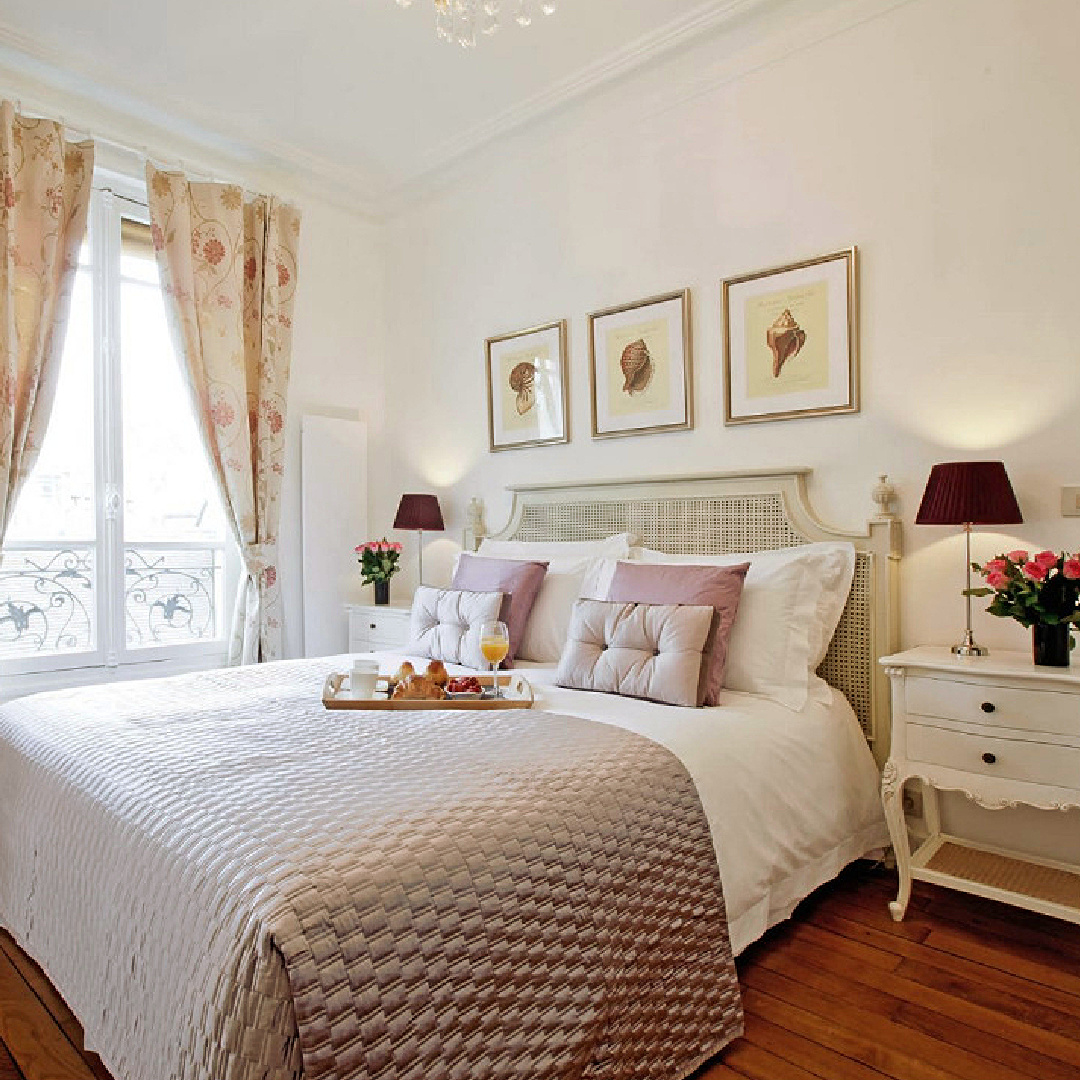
[(1050, 644), (382, 592)]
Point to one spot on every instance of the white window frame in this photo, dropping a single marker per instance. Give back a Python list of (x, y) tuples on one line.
[(113, 196)]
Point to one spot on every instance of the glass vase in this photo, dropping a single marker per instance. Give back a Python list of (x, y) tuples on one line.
[(1050, 644), (382, 592)]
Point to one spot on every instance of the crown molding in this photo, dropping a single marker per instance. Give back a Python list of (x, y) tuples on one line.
[(142, 125), (799, 25), (706, 19), (139, 124)]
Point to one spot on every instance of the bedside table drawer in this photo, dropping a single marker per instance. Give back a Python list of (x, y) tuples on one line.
[(1001, 706), (986, 755), (385, 628)]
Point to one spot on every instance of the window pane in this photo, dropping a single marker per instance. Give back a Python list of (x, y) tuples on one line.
[(57, 500), (174, 528), (48, 564), (169, 493)]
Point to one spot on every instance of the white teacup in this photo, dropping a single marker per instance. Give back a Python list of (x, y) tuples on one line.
[(362, 680)]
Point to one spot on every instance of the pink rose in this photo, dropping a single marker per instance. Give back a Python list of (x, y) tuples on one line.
[(1034, 571), (1071, 569), (997, 580), (395, 546), (1017, 556), (996, 564), (359, 549), (1046, 559)]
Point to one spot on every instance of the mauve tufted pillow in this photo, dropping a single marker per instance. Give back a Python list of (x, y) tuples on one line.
[(517, 580), (649, 651), (718, 586)]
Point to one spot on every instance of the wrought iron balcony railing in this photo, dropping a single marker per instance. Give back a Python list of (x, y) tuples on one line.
[(49, 603)]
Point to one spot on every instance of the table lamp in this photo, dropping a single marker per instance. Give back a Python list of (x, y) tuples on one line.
[(968, 493), (421, 513)]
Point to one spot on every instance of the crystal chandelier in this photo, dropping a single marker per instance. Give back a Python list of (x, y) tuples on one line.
[(459, 20)]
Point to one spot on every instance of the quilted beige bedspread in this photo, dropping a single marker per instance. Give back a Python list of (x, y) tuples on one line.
[(226, 882)]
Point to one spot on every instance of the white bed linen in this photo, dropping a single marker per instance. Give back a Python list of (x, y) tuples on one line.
[(791, 797)]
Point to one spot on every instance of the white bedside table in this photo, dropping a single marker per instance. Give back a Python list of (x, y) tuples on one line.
[(1005, 733), (375, 627)]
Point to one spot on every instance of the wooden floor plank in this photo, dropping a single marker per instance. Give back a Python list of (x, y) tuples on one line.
[(753, 1061), (8, 1069), (991, 1013), (820, 1060), (31, 1035)]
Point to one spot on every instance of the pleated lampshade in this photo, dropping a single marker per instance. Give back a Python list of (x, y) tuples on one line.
[(419, 512), (969, 493)]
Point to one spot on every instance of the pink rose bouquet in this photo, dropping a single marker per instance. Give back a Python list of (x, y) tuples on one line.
[(1032, 589), (378, 560)]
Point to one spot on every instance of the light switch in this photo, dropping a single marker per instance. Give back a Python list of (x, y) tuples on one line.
[(1070, 502)]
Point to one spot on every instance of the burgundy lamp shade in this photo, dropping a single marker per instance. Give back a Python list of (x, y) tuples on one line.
[(419, 512), (969, 493)]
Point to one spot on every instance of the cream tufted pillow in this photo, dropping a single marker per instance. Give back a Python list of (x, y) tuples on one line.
[(649, 651), (445, 624)]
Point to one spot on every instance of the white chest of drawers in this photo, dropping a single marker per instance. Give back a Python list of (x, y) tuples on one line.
[(375, 627), (1004, 733)]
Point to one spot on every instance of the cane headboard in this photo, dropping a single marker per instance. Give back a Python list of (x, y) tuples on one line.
[(747, 511)]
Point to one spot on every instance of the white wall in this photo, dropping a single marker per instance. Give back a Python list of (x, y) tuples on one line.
[(337, 366), (941, 136)]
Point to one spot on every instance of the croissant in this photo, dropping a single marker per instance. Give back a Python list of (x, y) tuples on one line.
[(406, 671), (436, 672), (417, 688)]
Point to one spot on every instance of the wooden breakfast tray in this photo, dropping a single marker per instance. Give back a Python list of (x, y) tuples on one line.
[(517, 691)]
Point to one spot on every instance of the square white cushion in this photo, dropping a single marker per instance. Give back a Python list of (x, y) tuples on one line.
[(791, 602), (445, 624), (568, 564), (651, 651)]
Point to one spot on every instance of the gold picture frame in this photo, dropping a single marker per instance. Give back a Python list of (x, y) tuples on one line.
[(641, 369), (527, 392), (791, 340)]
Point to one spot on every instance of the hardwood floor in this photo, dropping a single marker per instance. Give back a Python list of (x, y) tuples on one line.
[(963, 989)]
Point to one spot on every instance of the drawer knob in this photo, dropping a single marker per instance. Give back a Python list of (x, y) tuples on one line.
[(371, 626), (988, 706), (989, 758)]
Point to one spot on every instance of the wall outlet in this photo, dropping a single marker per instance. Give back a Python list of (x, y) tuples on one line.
[(1070, 502), (913, 804)]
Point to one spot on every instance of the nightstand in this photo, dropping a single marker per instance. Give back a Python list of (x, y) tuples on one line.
[(377, 627), (1004, 733)]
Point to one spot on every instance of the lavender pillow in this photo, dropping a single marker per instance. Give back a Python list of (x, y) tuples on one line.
[(518, 581), (718, 587)]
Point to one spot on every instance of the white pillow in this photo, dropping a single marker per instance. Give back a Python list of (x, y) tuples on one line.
[(445, 624), (568, 564), (791, 602)]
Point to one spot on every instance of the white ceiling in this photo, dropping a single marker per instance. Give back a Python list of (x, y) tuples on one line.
[(358, 92)]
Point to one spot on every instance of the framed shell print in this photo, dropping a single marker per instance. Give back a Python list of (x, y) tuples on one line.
[(791, 341), (526, 383), (640, 367)]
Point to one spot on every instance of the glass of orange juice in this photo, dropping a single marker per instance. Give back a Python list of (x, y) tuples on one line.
[(494, 644)]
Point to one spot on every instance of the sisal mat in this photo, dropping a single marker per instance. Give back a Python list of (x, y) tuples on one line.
[(1013, 875)]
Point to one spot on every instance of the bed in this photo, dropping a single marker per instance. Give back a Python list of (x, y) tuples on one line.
[(219, 891)]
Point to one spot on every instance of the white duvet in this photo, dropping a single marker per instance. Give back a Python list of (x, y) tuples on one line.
[(791, 797)]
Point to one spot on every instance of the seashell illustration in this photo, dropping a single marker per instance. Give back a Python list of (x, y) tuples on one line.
[(785, 338), (523, 383), (637, 367)]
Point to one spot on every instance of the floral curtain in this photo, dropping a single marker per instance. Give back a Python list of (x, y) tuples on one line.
[(228, 269), (44, 197)]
